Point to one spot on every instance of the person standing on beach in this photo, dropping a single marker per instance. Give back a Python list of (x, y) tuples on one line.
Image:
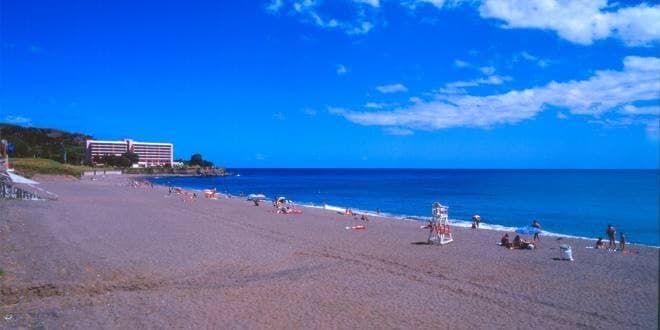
[(611, 233), (536, 225), (622, 242)]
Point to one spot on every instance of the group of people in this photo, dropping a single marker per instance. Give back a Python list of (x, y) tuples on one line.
[(517, 243), (283, 206), (611, 235), (521, 243), (350, 212), (186, 196), (476, 221)]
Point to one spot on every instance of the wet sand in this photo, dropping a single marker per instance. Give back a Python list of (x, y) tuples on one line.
[(106, 255)]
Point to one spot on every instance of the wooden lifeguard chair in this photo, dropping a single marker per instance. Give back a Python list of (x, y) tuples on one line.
[(439, 229)]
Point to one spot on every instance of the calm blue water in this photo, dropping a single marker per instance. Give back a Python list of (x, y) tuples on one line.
[(571, 202)]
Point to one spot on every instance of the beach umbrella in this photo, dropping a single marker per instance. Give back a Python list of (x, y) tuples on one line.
[(528, 230), (257, 197)]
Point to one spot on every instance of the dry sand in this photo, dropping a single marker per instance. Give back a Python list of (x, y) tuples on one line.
[(106, 255)]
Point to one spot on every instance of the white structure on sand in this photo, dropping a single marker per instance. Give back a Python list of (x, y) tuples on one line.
[(439, 230)]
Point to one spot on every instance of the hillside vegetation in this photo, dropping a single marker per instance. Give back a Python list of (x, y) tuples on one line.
[(31, 142), (28, 167)]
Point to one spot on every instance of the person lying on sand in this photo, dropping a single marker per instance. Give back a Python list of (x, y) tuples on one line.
[(519, 243), (289, 210)]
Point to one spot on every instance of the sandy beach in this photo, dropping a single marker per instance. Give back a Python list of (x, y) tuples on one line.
[(107, 255)]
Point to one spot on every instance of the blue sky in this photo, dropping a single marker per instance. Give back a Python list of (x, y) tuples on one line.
[(345, 83)]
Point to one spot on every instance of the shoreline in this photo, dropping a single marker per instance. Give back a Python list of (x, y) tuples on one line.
[(108, 254), (402, 217)]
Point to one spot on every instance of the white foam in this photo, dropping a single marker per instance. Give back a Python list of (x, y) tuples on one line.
[(454, 222)]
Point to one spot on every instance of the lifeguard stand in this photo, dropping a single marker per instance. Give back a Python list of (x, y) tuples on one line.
[(440, 232)]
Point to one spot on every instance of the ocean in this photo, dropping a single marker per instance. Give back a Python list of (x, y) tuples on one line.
[(577, 203)]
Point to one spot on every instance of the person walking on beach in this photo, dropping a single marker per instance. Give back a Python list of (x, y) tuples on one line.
[(611, 233), (622, 242), (536, 225)]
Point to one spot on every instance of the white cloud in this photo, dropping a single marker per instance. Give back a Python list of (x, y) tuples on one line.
[(436, 3), (373, 3), (561, 115), (529, 57), (650, 124), (578, 21), (461, 64), (646, 110), (18, 120), (393, 88), (488, 70), (397, 131), (490, 80), (360, 14), (605, 91), (279, 116), (374, 105), (341, 69), (274, 6)]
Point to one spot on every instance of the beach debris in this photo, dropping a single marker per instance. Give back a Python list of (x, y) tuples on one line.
[(439, 229), (8, 317), (358, 227), (566, 253)]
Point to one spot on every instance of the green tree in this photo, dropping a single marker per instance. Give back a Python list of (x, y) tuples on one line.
[(132, 157), (196, 160)]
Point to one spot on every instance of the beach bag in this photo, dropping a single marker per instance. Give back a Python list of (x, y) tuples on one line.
[(566, 252)]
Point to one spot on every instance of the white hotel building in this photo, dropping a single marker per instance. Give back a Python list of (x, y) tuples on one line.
[(150, 153)]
